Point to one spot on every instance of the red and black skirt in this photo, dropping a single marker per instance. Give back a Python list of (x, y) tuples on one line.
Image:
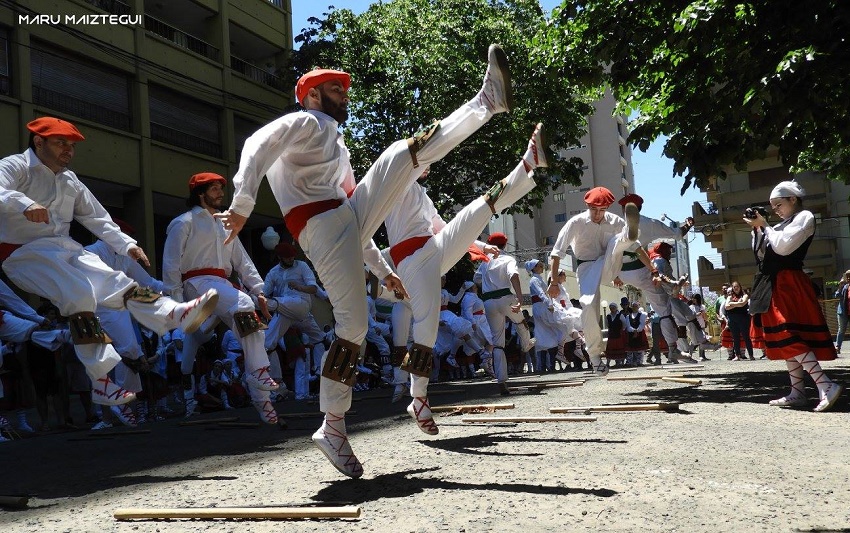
[(616, 347), (794, 323)]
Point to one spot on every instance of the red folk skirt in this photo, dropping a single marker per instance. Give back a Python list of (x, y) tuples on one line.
[(616, 347), (794, 324), (726, 335), (756, 335)]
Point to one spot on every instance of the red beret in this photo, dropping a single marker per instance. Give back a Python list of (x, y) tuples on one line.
[(54, 127), (497, 239), (317, 77), (285, 250), (631, 198), (124, 226), (662, 248), (599, 197), (204, 178)]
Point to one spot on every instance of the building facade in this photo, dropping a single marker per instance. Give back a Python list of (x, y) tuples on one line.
[(161, 89), (720, 219)]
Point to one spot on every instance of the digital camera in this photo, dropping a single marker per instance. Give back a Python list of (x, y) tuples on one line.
[(751, 212)]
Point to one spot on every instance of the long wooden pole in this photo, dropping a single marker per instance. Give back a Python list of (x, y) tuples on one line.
[(618, 408), (208, 421), (547, 386), (237, 512), (452, 408), (677, 379), (18, 502), (496, 419), (636, 378)]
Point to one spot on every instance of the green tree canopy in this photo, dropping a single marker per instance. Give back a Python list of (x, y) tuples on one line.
[(723, 81), (412, 61)]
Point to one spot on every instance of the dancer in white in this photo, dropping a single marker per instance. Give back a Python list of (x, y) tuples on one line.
[(290, 286), (598, 239), (472, 309), (118, 324), (39, 197), (196, 259), (497, 277), (333, 218)]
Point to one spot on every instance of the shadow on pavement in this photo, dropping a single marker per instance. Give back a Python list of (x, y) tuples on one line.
[(472, 444), (402, 485)]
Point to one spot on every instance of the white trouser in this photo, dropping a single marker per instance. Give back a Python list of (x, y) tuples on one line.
[(119, 326), (231, 301), (481, 329), (684, 316), (334, 240), (497, 310), (657, 298), (76, 281), (547, 330), (591, 275), (290, 310)]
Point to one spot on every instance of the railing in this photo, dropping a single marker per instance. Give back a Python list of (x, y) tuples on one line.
[(112, 6), (255, 73), (185, 140), (278, 3), (181, 38), (80, 108)]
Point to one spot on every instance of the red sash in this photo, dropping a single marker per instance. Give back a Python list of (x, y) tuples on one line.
[(298, 216), (536, 299), (478, 313), (407, 247), (203, 272)]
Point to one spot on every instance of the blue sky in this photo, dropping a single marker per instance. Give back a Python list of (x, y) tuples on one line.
[(653, 171)]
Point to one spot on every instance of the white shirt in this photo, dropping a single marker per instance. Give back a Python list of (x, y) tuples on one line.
[(470, 304), (304, 157), (587, 239), (278, 278), (414, 215), (195, 240), (497, 273), (536, 287), (787, 236), (125, 264), (24, 180)]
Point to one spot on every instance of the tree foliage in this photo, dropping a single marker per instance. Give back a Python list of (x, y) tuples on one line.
[(413, 61), (724, 81)]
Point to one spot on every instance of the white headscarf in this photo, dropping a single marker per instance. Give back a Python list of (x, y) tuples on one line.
[(467, 285), (786, 189)]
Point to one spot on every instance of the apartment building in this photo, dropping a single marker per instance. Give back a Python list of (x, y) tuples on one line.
[(162, 89)]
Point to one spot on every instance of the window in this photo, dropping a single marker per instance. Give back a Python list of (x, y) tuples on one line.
[(558, 197), (182, 121), (561, 217), (76, 86), (242, 129), (548, 241), (5, 62)]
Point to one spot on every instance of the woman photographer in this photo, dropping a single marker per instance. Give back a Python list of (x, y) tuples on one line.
[(794, 326), (843, 309)]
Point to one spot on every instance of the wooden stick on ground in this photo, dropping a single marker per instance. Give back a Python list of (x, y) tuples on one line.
[(452, 408), (618, 408), (17, 502), (208, 421), (542, 386), (636, 378), (677, 379), (239, 425), (238, 512), (492, 419), (119, 433)]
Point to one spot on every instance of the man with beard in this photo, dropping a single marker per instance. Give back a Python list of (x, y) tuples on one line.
[(196, 259), (333, 218)]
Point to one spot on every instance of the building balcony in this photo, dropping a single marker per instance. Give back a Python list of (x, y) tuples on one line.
[(111, 6), (256, 73), (185, 140), (78, 108), (181, 38)]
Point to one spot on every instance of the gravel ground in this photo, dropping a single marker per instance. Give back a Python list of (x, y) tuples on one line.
[(725, 461)]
